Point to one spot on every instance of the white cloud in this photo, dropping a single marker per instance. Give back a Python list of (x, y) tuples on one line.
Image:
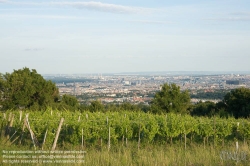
[(92, 5), (105, 7), (3, 1), (15, 16)]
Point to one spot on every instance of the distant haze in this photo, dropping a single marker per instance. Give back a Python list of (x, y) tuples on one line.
[(107, 36)]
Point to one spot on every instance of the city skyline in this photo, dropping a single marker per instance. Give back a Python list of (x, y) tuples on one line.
[(109, 36)]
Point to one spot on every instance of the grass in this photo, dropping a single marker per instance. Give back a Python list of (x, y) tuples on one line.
[(149, 155), (159, 155)]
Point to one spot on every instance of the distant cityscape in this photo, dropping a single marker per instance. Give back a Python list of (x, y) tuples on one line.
[(140, 88)]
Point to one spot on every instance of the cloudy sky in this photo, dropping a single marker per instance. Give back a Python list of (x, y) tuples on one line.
[(110, 36)]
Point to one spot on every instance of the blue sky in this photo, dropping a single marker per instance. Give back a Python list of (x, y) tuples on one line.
[(66, 37)]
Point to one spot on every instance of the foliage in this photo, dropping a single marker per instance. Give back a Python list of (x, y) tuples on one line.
[(235, 103), (28, 89), (217, 94), (238, 102), (170, 99), (96, 106), (123, 124), (68, 102), (204, 109)]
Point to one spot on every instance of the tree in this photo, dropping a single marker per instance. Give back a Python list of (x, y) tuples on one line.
[(170, 99), (96, 106), (128, 106), (238, 102), (207, 108), (69, 102), (26, 89)]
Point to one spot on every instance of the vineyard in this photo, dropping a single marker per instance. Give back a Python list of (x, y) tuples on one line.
[(40, 128)]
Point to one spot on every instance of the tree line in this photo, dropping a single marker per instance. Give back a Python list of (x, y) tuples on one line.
[(26, 89), (217, 94)]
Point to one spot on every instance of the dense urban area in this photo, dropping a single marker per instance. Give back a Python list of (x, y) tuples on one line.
[(141, 88)]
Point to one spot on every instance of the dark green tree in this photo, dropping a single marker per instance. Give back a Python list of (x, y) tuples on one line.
[(96, 106), (207, 108), (238, 102), (111, 107), (128, 106), (170, 99), (69, 102), (25, 88)]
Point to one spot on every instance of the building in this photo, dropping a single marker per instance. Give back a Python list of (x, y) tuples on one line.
[(233, 82)]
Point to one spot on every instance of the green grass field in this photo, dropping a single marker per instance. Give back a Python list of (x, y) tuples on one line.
[(152, 155)]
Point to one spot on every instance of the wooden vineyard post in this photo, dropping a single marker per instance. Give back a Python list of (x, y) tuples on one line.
[(139, 138), (9, 125), (57, 134), (108, 134), (244, 139), (123, 135), (185, 140), (44, 139), (11, 137), (191, 138), (122, 140), (21, 137), (11, 122), (109, 140), (126, 133), (20, 117), (214, 132), (14, 140), (1, 129), (126, 139), (101, 143), (3, 126), (9, 118), (82, 138), (237, 144), (87, 117), (166, 124), (4, 116), (223, 140), (204, 142), (34, 140)]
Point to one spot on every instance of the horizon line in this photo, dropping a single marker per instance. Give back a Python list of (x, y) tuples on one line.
[(153, 72)]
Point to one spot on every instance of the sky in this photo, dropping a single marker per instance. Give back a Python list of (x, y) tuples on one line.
[(112, 36)]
